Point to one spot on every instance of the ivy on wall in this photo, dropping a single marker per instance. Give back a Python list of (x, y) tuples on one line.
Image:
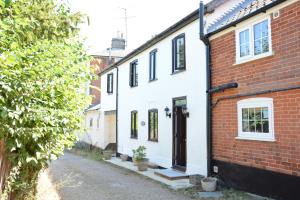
[(43, 73)]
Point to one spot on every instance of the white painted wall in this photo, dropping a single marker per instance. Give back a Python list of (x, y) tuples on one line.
[(158, 94), (93, 135), (108, 101), (108, 104)]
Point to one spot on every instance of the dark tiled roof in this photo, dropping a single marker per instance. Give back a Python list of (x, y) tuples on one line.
[(243, 9)]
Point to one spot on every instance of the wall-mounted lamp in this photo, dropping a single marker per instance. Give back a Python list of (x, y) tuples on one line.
[(167, 110), (185, 111)]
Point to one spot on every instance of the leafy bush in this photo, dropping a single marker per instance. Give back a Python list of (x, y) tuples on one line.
[(43, 73)]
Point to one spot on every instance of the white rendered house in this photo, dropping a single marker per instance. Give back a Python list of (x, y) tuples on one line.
[(108, 107), (160, 97), (92, 127)]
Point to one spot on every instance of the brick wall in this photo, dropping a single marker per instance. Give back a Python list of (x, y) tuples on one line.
[(277, 71), (98, 63)]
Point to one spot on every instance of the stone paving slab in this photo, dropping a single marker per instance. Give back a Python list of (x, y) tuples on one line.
[(84, 179), (150, 173)]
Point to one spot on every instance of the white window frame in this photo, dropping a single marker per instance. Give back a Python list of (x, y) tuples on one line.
[(253, 103), (251, 56)]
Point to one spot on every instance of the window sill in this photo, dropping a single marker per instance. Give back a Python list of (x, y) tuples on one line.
[(153, 80), (110, 93), (133, 86), (178, 71), (242, 61), (256, 139), (135, 138), (152, 140)]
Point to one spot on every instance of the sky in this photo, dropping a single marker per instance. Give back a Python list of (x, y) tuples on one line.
[(145, 19)]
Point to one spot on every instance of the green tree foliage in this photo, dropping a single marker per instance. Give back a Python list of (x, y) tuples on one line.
[(43, 72)]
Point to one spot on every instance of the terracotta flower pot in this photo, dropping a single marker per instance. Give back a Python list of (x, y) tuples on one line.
[(142, 165), (209, 184), (134, 161)]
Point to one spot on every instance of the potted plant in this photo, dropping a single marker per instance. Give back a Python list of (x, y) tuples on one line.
[(139, 156), (107, 154), (209, 184), (124, 157)]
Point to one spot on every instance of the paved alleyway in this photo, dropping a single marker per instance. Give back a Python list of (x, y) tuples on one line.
[(79, 178)]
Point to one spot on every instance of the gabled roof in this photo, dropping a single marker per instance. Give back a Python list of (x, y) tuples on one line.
[(245, 9), (209, 7)]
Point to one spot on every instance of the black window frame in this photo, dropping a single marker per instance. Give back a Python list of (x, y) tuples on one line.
[(133, 74), (152, 65), (91, 122), (110, 89), (175, 68), (134, 125), (149, 125)]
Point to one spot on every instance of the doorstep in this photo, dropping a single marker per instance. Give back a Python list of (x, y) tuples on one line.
[(150, 173)]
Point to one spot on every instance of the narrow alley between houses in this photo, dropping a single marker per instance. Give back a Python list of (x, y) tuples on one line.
[(78, 178)]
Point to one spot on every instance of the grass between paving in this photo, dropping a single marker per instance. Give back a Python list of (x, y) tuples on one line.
[(90, 153)]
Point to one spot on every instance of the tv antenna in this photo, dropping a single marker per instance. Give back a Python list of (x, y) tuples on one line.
[(126, 17)]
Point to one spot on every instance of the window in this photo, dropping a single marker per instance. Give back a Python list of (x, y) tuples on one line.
[(253, 41), (134, 124), (133, 76), (152, 65), (98, 121), (255, 119), (178, 53), (110, 83), (91, 122), (153, 125)]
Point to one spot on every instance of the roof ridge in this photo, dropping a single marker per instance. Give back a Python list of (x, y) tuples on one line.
[(228, 14)]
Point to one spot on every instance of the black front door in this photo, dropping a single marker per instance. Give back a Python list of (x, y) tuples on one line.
[(179, 135)]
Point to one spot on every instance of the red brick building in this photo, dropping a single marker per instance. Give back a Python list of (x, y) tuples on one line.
[(255, 95), (99, 63)]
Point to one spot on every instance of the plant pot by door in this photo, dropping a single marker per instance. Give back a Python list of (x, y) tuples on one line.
[(134, 161), (209, 184), (142, 165), (107, 155)]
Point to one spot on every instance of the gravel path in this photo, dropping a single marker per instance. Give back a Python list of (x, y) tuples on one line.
[(80, 178)]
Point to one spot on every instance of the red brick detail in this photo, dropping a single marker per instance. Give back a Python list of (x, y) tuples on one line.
[(98, 64), (277, 71)]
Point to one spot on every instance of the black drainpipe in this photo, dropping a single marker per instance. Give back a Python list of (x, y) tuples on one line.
[(117, 108), (205, 40)]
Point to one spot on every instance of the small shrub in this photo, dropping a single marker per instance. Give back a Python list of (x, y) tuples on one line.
[(139, 154)]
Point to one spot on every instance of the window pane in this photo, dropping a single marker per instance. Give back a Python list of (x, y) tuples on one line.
[(180, 53), (245, 126), (258, 127), (257, 47), (252, 126), (265, 113), (265, 44), (265, 126), (261, 37), (156, 124), (257, 114), (251, 114), (136, 124), (265, 29), (255, 120), (152, 65), (245, 113), (244, 43)]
